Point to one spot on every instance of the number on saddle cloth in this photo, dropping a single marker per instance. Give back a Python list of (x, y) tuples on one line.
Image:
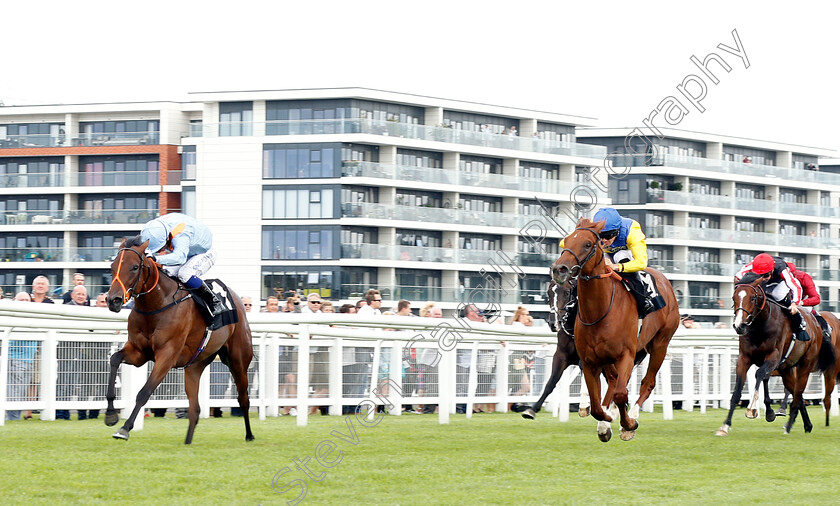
[(643, 288), (226, 317)]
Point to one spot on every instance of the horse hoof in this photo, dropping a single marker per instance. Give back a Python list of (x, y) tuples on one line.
[(121, 434), (637, 425), (604, 431), (769, 416), (529, 414), (627, 435), (723, 430), (605, 436), (808, 429), (584, 412), (112, 419), (249, 438), (751, 413), (781, 412)]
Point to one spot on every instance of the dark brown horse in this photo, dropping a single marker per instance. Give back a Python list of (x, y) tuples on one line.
[(167, 328), (827, 363), (765, 339), (607, 335)]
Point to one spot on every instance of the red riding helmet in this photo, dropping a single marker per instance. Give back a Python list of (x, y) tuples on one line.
[(763, 263)]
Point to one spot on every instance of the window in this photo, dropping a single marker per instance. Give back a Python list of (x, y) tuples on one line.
[(422, 238), (235, 118), (31, 247), (480, 204), (100, 246), (300, 160), (417, 198), (278, 280), (704, 186), (31, 135), (480, 165), (417, 158), (483, 242), (749, 225), (536, 170), (556, 132), (791, 228), (128, 170), (120, 132), (302, 202), (478, 122), (793, 196), (749, 191), (188, 163), (294, 243), (31, 172), (703, 221)]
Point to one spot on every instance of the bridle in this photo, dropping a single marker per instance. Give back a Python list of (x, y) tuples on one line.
[(575, 273), (756, 310), (132, 292)]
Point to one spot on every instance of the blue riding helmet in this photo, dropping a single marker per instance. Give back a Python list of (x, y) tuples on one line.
[(155, 232), (611, 216)]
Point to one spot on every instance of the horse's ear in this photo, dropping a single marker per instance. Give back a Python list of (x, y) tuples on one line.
[(599, 225), (757, 281)]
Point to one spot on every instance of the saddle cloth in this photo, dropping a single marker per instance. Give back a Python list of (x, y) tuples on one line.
[(639, 290), (226, 317)]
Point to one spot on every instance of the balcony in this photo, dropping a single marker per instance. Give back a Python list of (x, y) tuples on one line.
[(411, 131), (62, 179), (95, 139), (752, 170), (672, 232), (443, 255), (699, 268), (60, 254), (441, 215), (456, 177), (658, 196), (59, 217)]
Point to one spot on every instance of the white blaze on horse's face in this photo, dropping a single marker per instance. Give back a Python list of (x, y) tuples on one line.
[(739, 316)]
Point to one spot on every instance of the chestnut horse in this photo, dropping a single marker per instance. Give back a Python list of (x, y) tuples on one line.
[(607, 335), (765, 339), (564, 356), (162, 329)]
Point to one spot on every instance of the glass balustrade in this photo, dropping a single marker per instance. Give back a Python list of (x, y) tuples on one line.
[(57, 179), (412, 131), (57, 217), (672, 232), (739, 204)]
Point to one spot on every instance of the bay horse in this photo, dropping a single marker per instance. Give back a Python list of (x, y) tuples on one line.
[(827, 363), (607, 335), (766, 340), (167, 328)]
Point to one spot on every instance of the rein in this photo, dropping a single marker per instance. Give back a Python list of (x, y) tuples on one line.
[(132, 292), (748, 320)]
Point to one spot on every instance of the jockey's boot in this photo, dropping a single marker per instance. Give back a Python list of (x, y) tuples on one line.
[(213, 300), (799, 327)]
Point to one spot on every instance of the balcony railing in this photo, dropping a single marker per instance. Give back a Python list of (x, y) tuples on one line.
[(408, 131), (58, 254), (740, 204), (700, 268), (442, 215), (447, 294), (729, 167), (456, 177), (59, 179), (443, 255), (672, 232), (97, 139), (123, 216)]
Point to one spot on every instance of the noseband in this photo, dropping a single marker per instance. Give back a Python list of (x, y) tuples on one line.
[(132, 292), (757, 289)]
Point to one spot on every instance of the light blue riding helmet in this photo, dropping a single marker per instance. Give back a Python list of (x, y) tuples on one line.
[(155, 232), (611, 216)]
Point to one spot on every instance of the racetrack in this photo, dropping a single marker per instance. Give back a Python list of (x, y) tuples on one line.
[(496, 459)]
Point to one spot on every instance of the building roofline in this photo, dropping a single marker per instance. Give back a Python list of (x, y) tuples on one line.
[(587, 132), (393, 96)]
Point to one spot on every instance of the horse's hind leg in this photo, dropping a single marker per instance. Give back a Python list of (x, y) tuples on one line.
[(192, 376), (240, 356), (131, 355), (657, 356), (558, 366), (165, 360), (769, 414), (829, 389)]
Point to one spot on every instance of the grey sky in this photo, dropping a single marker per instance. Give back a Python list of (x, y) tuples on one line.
[(614, 61)]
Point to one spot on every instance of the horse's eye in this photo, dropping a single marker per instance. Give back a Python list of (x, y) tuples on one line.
[(135, 267), (588, 244)]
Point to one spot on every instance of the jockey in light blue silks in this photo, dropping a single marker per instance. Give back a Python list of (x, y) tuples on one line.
[(184, 247)]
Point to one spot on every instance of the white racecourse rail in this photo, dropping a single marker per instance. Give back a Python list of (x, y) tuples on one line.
[(303, 360)]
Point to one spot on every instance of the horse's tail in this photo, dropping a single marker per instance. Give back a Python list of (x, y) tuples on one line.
[(827, 356)]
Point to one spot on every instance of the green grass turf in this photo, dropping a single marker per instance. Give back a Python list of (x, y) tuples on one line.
[(491, 459)]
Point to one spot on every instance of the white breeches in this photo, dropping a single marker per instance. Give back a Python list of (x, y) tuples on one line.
[(194, 266), (621, 255)]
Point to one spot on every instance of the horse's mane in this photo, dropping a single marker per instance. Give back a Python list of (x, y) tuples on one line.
[(133, 241), (749, 278), (587, 223)]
